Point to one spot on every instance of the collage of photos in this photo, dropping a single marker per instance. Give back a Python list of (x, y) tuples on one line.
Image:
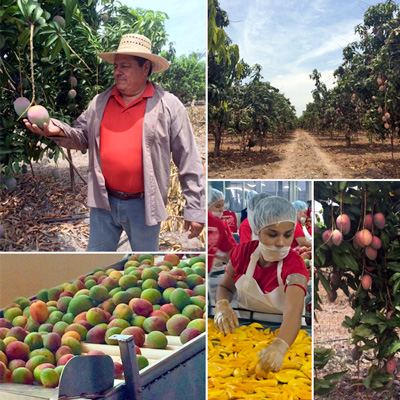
[(199, 200)]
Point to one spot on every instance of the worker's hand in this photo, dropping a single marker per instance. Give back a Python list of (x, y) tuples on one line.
[(48, 129), (225, 319), (195, 228), (271, 358)]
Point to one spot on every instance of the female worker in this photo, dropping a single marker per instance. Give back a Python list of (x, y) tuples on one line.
[(268, 277), (245, 230), (216, 207), (301, 235), (230, 217), (243, 213)]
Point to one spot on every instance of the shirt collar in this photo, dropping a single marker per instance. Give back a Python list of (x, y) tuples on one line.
[(148, 91)]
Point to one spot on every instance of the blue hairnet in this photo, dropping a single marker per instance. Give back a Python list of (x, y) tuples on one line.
[(273, 210), (214, 195), (300, 205), (251, 205)]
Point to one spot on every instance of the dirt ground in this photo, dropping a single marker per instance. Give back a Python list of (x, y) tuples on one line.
[(329, 333), (303, 155), (43, 214)]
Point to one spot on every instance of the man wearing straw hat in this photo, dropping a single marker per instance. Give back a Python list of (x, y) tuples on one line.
[(131, 129)]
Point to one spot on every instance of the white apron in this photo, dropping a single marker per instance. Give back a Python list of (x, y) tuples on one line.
[(306, 234), (251, 297)]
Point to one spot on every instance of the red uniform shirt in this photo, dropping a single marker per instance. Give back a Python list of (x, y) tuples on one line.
[(298, 232), (218, 239), (245, 231), (229, 234), (121, 142), (231, 220), (266, 277)]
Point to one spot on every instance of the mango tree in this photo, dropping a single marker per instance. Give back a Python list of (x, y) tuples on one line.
[(357, 250), (48, 55), (186, 76), (365, 97), (223, 68)]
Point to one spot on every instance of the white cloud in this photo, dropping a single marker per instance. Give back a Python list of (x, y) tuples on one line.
[(298, 87), (290, 39), (330, 43)]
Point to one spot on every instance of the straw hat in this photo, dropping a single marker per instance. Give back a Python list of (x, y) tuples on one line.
[(140, 46)]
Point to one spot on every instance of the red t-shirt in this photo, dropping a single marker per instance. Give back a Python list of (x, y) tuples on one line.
[(298, 232), (229, 234), (231, 220), (121, 142), (218, 238), (266, 277), (245, 231)]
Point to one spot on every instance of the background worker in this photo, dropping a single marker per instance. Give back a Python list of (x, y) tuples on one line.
[(301, 235)]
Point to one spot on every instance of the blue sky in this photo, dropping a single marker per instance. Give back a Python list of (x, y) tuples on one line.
[(186, 25), (291, 38)]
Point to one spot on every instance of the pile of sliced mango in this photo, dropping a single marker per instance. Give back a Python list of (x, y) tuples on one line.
[(232, 361)]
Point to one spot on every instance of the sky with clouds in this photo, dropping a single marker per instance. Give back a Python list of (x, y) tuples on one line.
[(291, 38), (186, 25)]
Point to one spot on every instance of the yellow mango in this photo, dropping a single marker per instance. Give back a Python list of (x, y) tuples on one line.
[(232, 361)]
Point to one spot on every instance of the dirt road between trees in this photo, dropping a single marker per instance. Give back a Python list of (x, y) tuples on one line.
[(304, 158), (305, 155)]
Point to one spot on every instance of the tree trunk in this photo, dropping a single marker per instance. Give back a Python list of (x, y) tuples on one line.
[(391, 142), (348, 138), (217, 137), (33, 173), (71, 171)]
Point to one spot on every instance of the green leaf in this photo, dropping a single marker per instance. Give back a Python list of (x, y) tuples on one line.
[(322, 356), (30, 7), (22, 7), (56, 50), (396, 288), (348, 322), (393, 254), (363, 331), (385, 240), (370, 318), (51, 39), (394, 348), (24, 37), (38, 11), (353, 210), (321, 256), (70, 6), (394, 278), (325, 282), (347, 198), (336, 375), (357, 315), (337, 259), (67, 51), (393, 265), (367, 382), (350, 261)]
